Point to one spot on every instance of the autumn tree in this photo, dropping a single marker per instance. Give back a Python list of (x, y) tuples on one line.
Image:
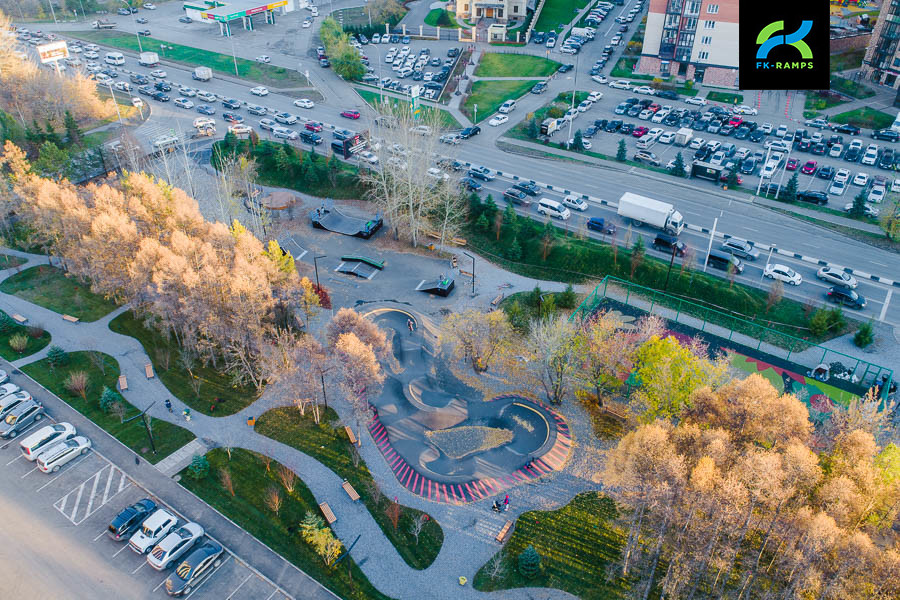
[(360, 375), (479, 338), (551, 356)]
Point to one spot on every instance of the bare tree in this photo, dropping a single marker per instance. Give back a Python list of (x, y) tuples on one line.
[(274, 499), (416, 526), (225, 479), (119, 410), (550, 346), (496, 567), (360, 376), (288, 478), (98, 360)]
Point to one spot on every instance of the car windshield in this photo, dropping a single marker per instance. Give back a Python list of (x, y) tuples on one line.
[(147, 531), (11, 419)]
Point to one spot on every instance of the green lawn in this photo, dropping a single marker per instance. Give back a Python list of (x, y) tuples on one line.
[(440, 17), (489, 95), (374, 99), (493, 64), (220, 63), (851, 88), (850, 59), (34, 343), (725, 97), (164, 354), (328, 443), (248, 509), (576, 544), (168, 437), (557, 13), (624, 68), (865, 117), (51, 288), (816, 102), (8, 261)]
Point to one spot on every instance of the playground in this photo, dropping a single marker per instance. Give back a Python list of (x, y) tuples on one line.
[(444, 443)]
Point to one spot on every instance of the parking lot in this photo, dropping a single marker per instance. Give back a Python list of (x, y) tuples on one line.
[(54, 536)]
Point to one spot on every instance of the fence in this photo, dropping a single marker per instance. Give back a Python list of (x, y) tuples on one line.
[(733, 329)]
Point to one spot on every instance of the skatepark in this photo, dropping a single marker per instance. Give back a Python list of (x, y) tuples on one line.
[(442, 440)]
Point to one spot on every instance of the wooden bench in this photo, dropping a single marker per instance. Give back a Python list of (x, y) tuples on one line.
[(504, 531), (70, 318), (326, 510), (350, 435), (148, 369), (123, 383), (350, 491), (497, 300), (19, 319)]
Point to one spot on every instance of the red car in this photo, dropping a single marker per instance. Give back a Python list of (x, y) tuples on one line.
[(792, 164), (314, 126), (809, 168), (350, 114), (735, 121), (724, 177), (654, 107), (639, 132)]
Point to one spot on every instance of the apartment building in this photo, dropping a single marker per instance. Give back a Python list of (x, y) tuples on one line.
[(692, 40), (882, 61)]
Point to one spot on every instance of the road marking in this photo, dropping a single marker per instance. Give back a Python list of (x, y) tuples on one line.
[(208, 577), (160, 584), (94, 501), (139, 566), (14, 460), (100, 536), (77, 502), (120, 550), (272, 594), (238, 587), (28, 473)]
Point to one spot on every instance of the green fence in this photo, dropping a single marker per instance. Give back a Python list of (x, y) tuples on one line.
[(729, 327)]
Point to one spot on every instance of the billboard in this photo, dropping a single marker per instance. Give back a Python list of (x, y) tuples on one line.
[(53, 51)]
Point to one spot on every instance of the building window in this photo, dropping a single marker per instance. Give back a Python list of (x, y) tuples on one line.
[(709, 24), (689, 24), (516, 8), (712, 9), (465, 8), (499, 13), (672, 21), (703, 55), (706, 40)]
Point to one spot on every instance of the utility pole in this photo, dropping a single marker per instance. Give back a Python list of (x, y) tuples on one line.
[(712, 234), (473, 272)]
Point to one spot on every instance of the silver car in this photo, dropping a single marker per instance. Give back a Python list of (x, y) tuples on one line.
[(837, 277), (20, 417), (174, 545), (740, 248)]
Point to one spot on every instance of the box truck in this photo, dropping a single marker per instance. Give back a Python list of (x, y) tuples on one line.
[(148, 59), (684, 136), (202, 74), (550, 126), (103, 24), (641, 210)]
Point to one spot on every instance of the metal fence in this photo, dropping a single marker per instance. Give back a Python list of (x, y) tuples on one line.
[(763, 339)]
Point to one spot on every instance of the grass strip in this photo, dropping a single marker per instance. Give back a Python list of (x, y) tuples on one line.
[(8, 261), (373, 99), (487, 96), (495, 64), (865, 117), (103, 370), (34, 343), (57, 291)]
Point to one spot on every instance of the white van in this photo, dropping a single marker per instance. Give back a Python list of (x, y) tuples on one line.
[(115, 58), (165, 143), (57, 455), (35, 443), (553, 208), (645, 142)]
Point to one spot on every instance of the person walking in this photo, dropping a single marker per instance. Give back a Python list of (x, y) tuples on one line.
[(169, 404), (410, 325)]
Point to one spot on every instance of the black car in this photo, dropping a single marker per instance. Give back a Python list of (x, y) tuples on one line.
[(470, 184), (600, 124), (846, 297), (418, 76), (826, 172), (110, 73), (198, 565), (529, 187), (820, 198), (852, 154), (589, 132), (323, 62), (139, 79), (703, 153), (848, 129), (667, 94), (748, 166), (185, 20), (128, 521), (626, 128), (308, 137), (835, 139), (769, 189), (741, 133), (885, 134), (160, 96), (634, 111), (672, 120), (726, 130), (887, 159), (539, 37), (601, 225), (805, 145), (469, 132), (453, 52), (432, 85), (757, 135), (565, 68), (516, 197), (162, 86), (668, 244), (436, 61), (644, 102), (819, 149), (231, 103), (613, 126)]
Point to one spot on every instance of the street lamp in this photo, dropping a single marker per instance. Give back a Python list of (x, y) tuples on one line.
[(772, 248), (118, 112), (134, 24)]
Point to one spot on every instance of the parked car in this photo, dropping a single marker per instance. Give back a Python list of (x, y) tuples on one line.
[(601, 225), (645, 156), (837, 277), (20, 418), (813, 197), (668, 244), (195, 567), (259, 91), (55, 457), (154, 528), (129, 519), (174, 546), (782, 273)]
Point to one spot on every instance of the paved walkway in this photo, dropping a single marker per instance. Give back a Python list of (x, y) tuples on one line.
[(468, 530)]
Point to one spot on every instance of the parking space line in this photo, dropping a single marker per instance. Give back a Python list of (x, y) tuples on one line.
[(208, 577), (120, 550), (100, 536), (14, 460), (94, 491), (139, 567), (79, 514), (70, 466), (160, 584), (30, 472), (272, 594), (233, 592), (77, 501)]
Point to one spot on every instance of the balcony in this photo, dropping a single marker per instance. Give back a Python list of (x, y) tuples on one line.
[(675, 7), (666, 50)]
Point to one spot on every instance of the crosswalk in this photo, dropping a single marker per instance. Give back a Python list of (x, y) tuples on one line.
[(94, 492)]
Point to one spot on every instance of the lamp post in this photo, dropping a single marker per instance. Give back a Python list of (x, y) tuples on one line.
[(473, 271), (134, 24), (316, 264), (118, 112), (233, 57), (475, 108), (772, 248), (712, 234)]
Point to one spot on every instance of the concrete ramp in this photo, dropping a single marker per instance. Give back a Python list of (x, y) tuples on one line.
[(331, 219)]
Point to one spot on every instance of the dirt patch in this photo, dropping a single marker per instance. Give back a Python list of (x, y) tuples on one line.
[(460, 442)]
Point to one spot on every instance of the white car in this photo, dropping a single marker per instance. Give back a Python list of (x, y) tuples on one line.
[(667, 138), (696, 143), (368, 157), (696, 100), (499, 120), (895, 186), (57, 455), (861, 179), (92, 48), (149, 6), (837, 277), (655, 133), (8, 388), (122, 86), (436, 173), (599, 78), (615, 40), (855, 144), (159, 74), (203, 122), (837, 188), (285, 133), (782, 273), (137, 102), (183, 103), (155, 528), (240, 129), (174, 545), (304, 103), (766, 128), (426, 130), (836, 150), (571, 114), (263, 59), (644, 89), (575, 202), (585, 144), (206, 96), (743, 109), (259, 91), (870, 210), (91, 54), (187, 92), (842, 175), (306, 23), (595, 96), (876, 194), (584, 106), (620, 84), (871, 155)]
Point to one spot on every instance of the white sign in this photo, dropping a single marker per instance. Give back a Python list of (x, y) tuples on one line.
[(53, 51)]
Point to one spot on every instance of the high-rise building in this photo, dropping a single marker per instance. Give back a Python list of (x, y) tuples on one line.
[(882, 61), (692, 40)]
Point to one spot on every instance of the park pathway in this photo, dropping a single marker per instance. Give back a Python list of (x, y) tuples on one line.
[(469, 530)]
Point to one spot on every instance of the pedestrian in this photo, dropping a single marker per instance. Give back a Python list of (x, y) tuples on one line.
[(506, 500), (169, 404), (409, 325), (137, 461), (212, 407)]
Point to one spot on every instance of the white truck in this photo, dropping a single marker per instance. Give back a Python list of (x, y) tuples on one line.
[(684, 136), (103, 24), (148, 59), (585, 32), (202, 74), (640, 210)]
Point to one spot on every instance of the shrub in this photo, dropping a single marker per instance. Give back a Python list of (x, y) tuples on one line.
[(18, 342), (6, 323), (827, 320), (567, 298), (76, 383), (35, 332), (108, 398), (864, 335), (57, 357), (199, 467), (529, 562)]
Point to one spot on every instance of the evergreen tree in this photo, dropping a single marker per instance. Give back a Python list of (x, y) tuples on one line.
[(57, 357), (529, 562), (622, 152), (475, 206), (73, 131), (482, 223), (283, 162), (50, 134), (514, 250), (532, 129), (230, 141), (567, 298), (7, 324), (53, 162), (732, 181), (33, 133), (859, 204), (490, 208), (789, 193), (510, 219), (199, 467), (678, 169), (578, 141), (310, 168), (108, 398)]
